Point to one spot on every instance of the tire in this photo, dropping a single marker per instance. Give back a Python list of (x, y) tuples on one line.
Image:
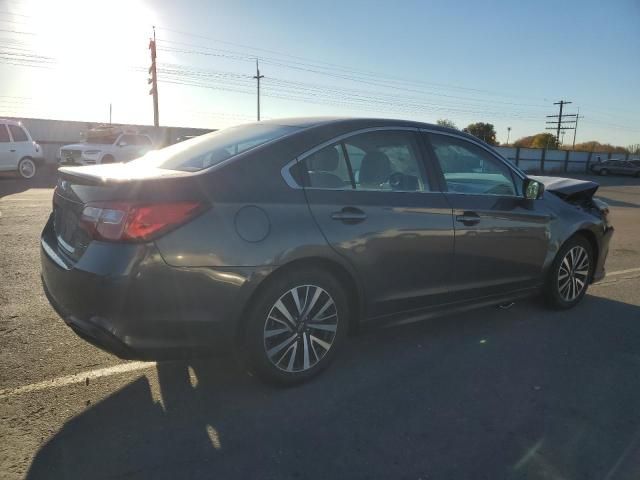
[(604, 172), (107, 159), (288, 351), (27, 168), (569, 264)]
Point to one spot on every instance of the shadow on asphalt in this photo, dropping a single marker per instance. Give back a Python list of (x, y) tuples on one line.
[(523, 393), (11, 183)]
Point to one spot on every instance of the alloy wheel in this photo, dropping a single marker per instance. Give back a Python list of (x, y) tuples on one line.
[(27, 168), (573, 273), (300, 328)]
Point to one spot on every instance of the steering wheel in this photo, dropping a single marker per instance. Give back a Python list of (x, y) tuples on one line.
[(395, 180)]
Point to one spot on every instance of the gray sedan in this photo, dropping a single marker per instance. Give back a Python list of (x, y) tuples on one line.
[(277, 239), (620, 167)]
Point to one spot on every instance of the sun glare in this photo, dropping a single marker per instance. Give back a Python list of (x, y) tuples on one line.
[(96, 48)]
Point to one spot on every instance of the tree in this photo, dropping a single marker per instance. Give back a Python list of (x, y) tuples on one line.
[(484, 131), (634, 149), (539, 140), (445, 122), (594, 146), (544, 140)]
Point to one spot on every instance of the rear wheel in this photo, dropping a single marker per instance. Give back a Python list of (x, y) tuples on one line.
[(570, 273), (27, 168), (296, 326)]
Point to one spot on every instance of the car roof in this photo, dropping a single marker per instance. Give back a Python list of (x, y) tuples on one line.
[(10, 122), (358, 122)]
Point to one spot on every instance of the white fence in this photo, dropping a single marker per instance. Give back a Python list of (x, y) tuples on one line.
[(54, 134), (550, 161)]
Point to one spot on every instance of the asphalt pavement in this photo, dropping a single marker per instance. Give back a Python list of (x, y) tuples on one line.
[(524, 393)]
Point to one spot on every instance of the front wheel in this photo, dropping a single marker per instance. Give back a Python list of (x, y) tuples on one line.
[(296, 326), (27, 168), (570, 273)]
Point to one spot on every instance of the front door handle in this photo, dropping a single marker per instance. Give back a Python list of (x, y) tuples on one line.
[(349, 215), (12, 150), (468, 218)]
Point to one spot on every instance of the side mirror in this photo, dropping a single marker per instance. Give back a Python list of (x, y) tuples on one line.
[(532, 189), (122, 144)]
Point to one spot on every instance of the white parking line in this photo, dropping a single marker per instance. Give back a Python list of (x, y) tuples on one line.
[(134, 366), (77, 378), (622, 272)]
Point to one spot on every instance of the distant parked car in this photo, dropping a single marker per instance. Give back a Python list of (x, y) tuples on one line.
[(18, 152), (106, 145), (620, 167)]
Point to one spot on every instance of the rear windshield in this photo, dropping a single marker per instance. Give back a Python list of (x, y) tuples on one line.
[(208, 150)]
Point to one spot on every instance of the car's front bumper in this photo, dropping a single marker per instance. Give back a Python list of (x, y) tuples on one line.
[(125, 299), (599, 272)]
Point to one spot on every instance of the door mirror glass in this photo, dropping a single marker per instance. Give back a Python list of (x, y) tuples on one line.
[(533, 189), (122, 144)]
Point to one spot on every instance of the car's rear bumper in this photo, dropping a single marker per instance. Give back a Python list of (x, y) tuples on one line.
[(125, 299)]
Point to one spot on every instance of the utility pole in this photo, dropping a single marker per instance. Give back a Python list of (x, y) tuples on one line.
[(109, 114), (154, 79), (575, 130), (258, 77), (560, 123), (508, 134)]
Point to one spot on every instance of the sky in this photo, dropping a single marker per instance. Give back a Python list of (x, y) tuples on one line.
[(501, 62)]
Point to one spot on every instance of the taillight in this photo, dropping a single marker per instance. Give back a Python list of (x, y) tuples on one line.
[(123, 221)]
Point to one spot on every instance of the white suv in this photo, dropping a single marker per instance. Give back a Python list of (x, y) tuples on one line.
[(107, 147), (18, 151)]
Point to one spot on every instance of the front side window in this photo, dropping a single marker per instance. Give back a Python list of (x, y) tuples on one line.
[(127, 140), (4, 134), (380, 160), (470, 169), (142, 140), (18, 133)]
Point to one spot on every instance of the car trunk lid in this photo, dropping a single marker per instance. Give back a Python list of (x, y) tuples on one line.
[(79, 186)]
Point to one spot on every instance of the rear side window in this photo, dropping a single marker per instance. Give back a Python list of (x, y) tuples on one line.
[(380, 160), (213, 148), (18, 134), (4, 134)]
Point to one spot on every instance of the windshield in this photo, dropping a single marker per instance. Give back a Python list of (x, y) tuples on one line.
[(211, 149)]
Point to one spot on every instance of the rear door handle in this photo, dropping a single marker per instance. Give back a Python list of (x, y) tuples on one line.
[(349, 215), (12, 150), (468, 218)]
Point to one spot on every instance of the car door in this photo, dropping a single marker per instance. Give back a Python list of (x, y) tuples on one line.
[(127, 148), (8, 151), (501, 238), (387, 220)]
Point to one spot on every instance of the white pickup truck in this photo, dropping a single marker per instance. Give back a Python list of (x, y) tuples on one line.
[(106, 146)]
